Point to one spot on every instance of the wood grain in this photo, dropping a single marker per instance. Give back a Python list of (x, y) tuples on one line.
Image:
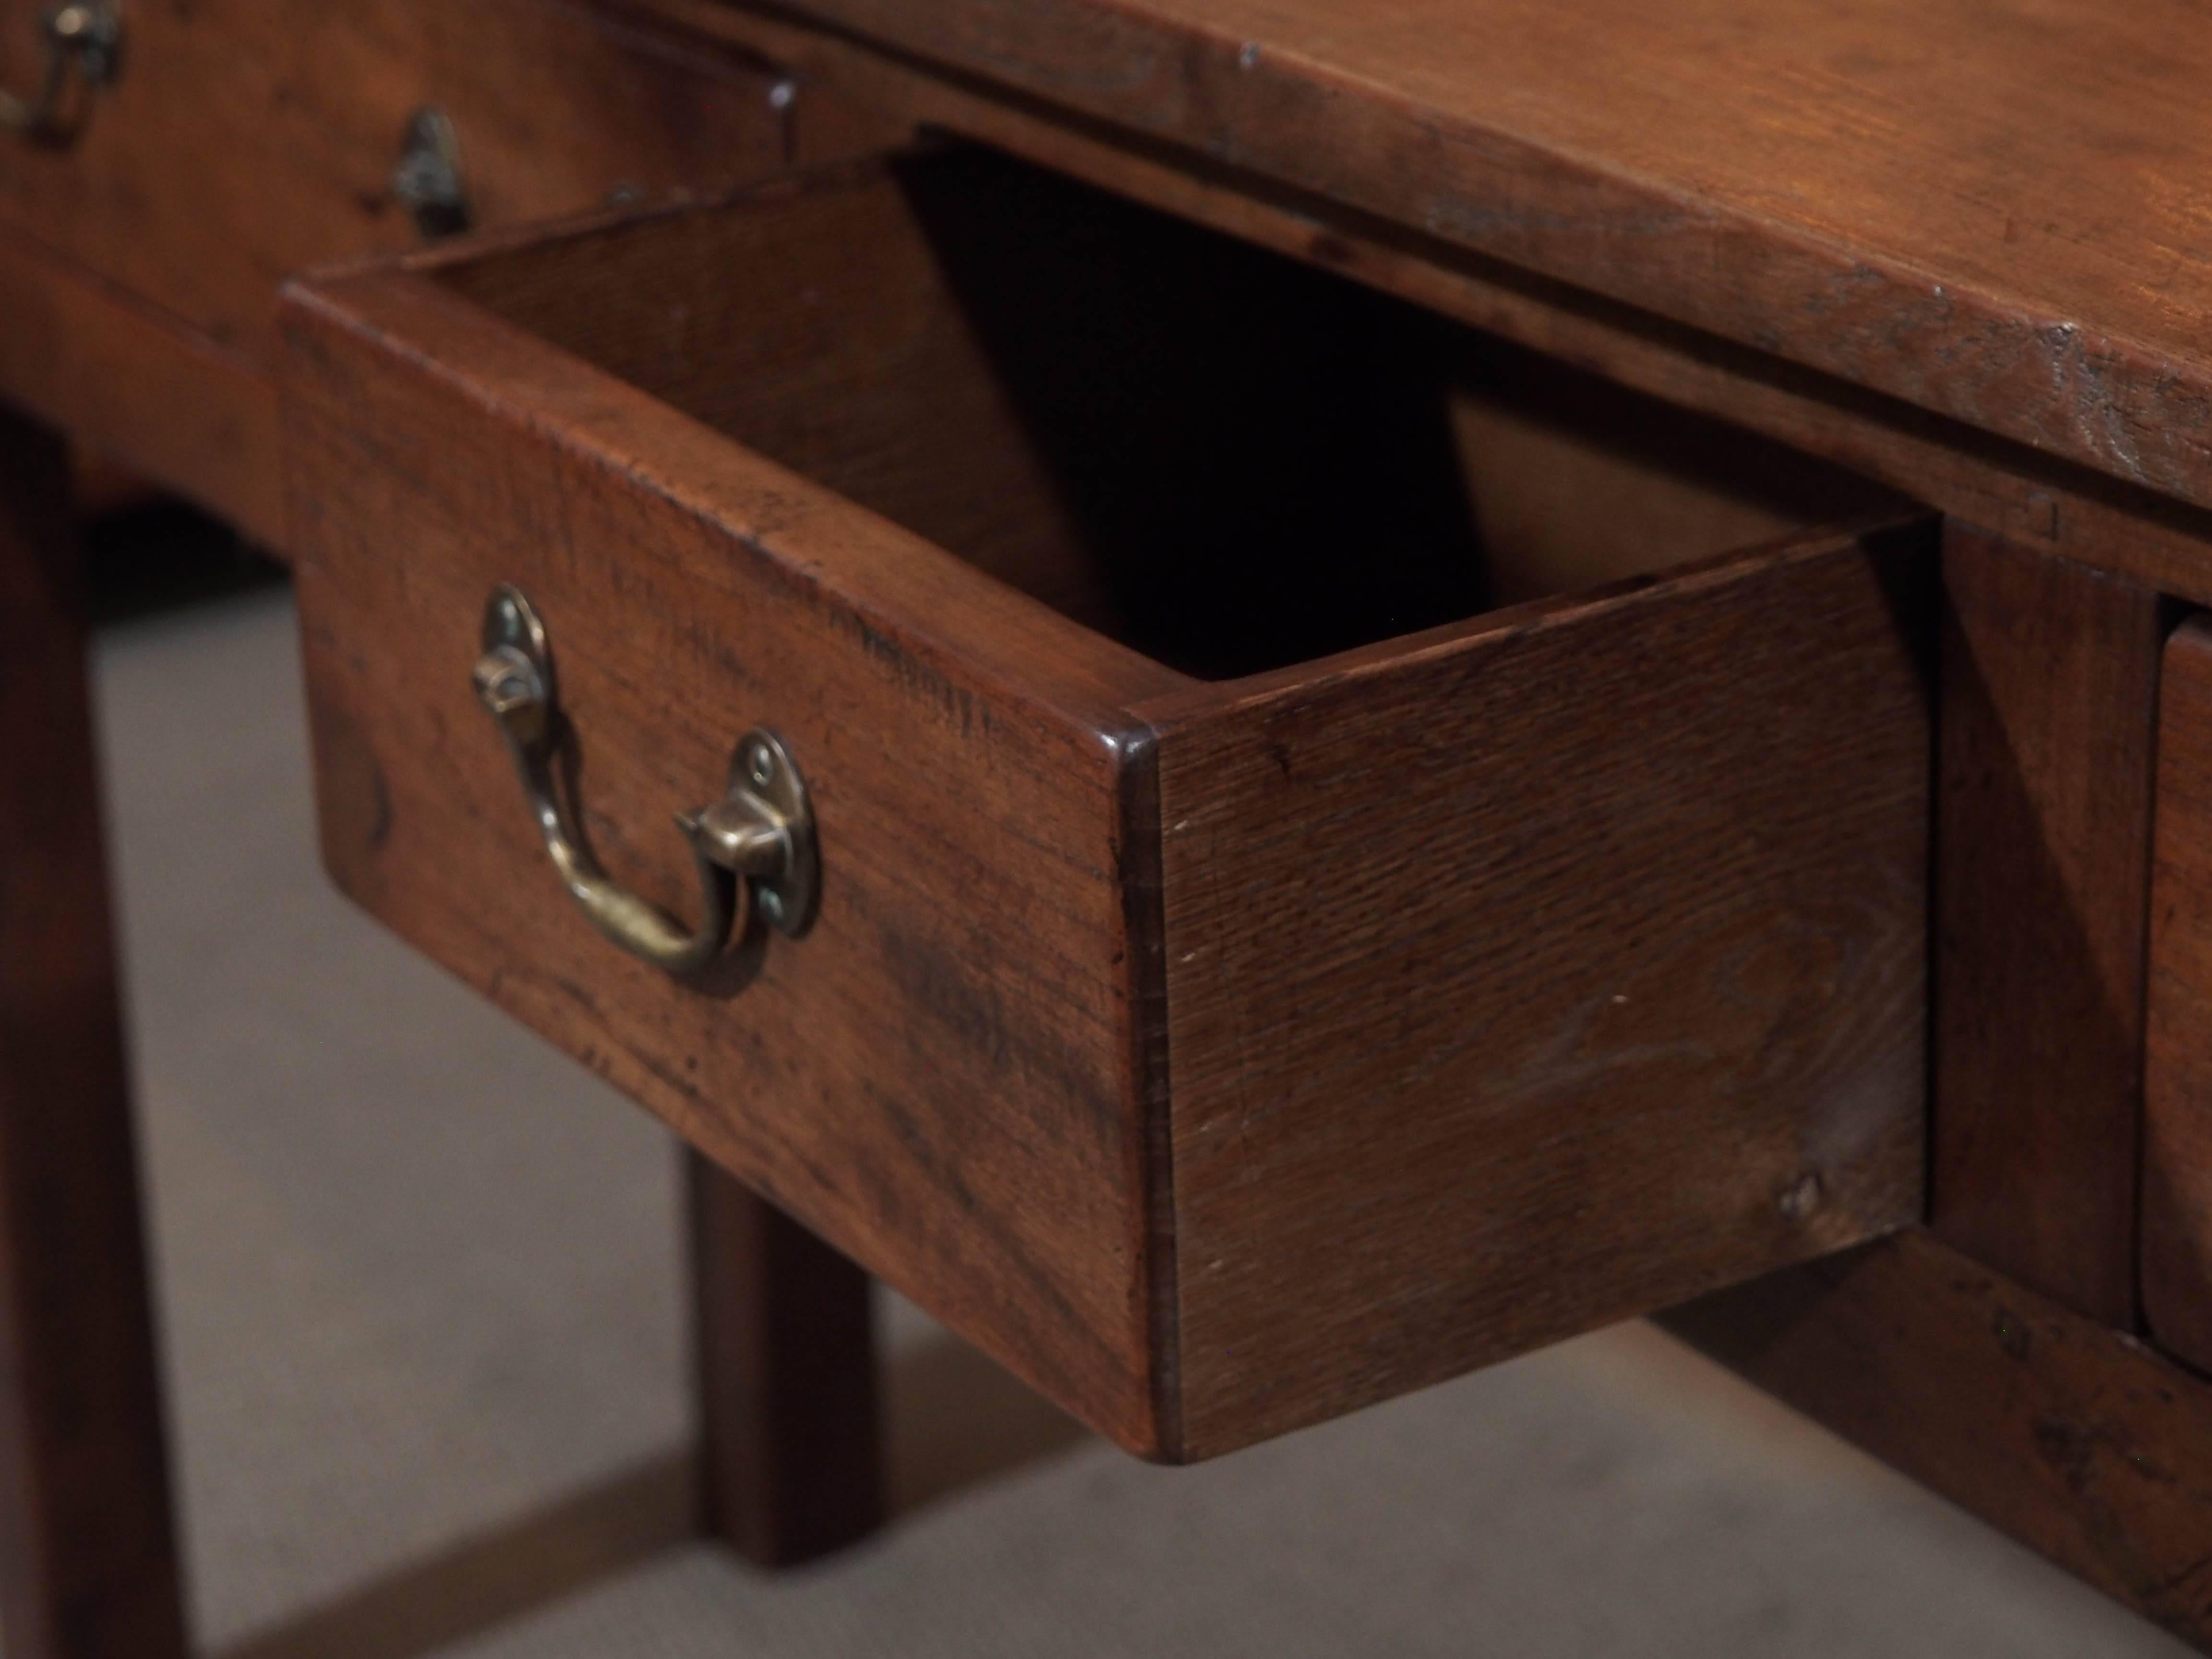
[(2177, 1149), (1534, 972), (2076, 1439), (2049, 692), (1985, 210), (2020, 487), (2029, 493), (107, 367), (1762, 724), (791, 1453), (250, 138), (932, 1080), (87, 1550)]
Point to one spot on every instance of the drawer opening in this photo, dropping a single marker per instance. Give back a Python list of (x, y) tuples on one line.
[(1224, 458)]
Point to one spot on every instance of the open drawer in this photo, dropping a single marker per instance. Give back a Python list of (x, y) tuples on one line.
[(1330, 872)]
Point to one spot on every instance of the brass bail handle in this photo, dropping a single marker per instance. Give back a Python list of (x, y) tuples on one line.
[(755, 846), (84, 35)]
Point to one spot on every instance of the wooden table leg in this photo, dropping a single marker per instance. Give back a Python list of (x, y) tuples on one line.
[(87, 1558), (791, 1447)]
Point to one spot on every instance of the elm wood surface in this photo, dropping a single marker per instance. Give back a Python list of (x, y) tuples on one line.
[(2050, 687), (2078, 1440), (963, 1076), (103, 365), (791, 1452), (1837, 422), (1491, 128), (2032, 497), (248, 138), (1949, 463), (2177, 1171), (1990, 208), (87, 1552)]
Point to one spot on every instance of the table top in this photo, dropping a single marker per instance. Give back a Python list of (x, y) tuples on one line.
[(1999, 210)]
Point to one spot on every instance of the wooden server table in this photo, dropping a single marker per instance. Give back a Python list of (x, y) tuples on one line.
[(1353, 686)]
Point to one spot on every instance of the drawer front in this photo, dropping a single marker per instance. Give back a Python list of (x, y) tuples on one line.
[(2177, 1182), (247, 139), (936, 1077), (1221, 1055)]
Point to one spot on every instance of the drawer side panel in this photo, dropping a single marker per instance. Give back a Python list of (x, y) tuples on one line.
[(1553, 971)]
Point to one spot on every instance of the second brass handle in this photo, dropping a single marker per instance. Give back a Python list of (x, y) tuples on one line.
[(754, 847), (85, 35)]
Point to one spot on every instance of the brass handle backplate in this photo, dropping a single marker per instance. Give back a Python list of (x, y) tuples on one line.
[(83, 35), (755, 846)]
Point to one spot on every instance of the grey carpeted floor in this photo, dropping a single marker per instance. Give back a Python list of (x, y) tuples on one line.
[(421, 1299)]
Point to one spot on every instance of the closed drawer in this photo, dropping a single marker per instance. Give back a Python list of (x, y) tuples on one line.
[(2176, 1255), (245, 139), (1274, 948)]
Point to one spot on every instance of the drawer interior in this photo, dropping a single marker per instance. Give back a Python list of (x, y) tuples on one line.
[(1217, 456), (1220, 1056)]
